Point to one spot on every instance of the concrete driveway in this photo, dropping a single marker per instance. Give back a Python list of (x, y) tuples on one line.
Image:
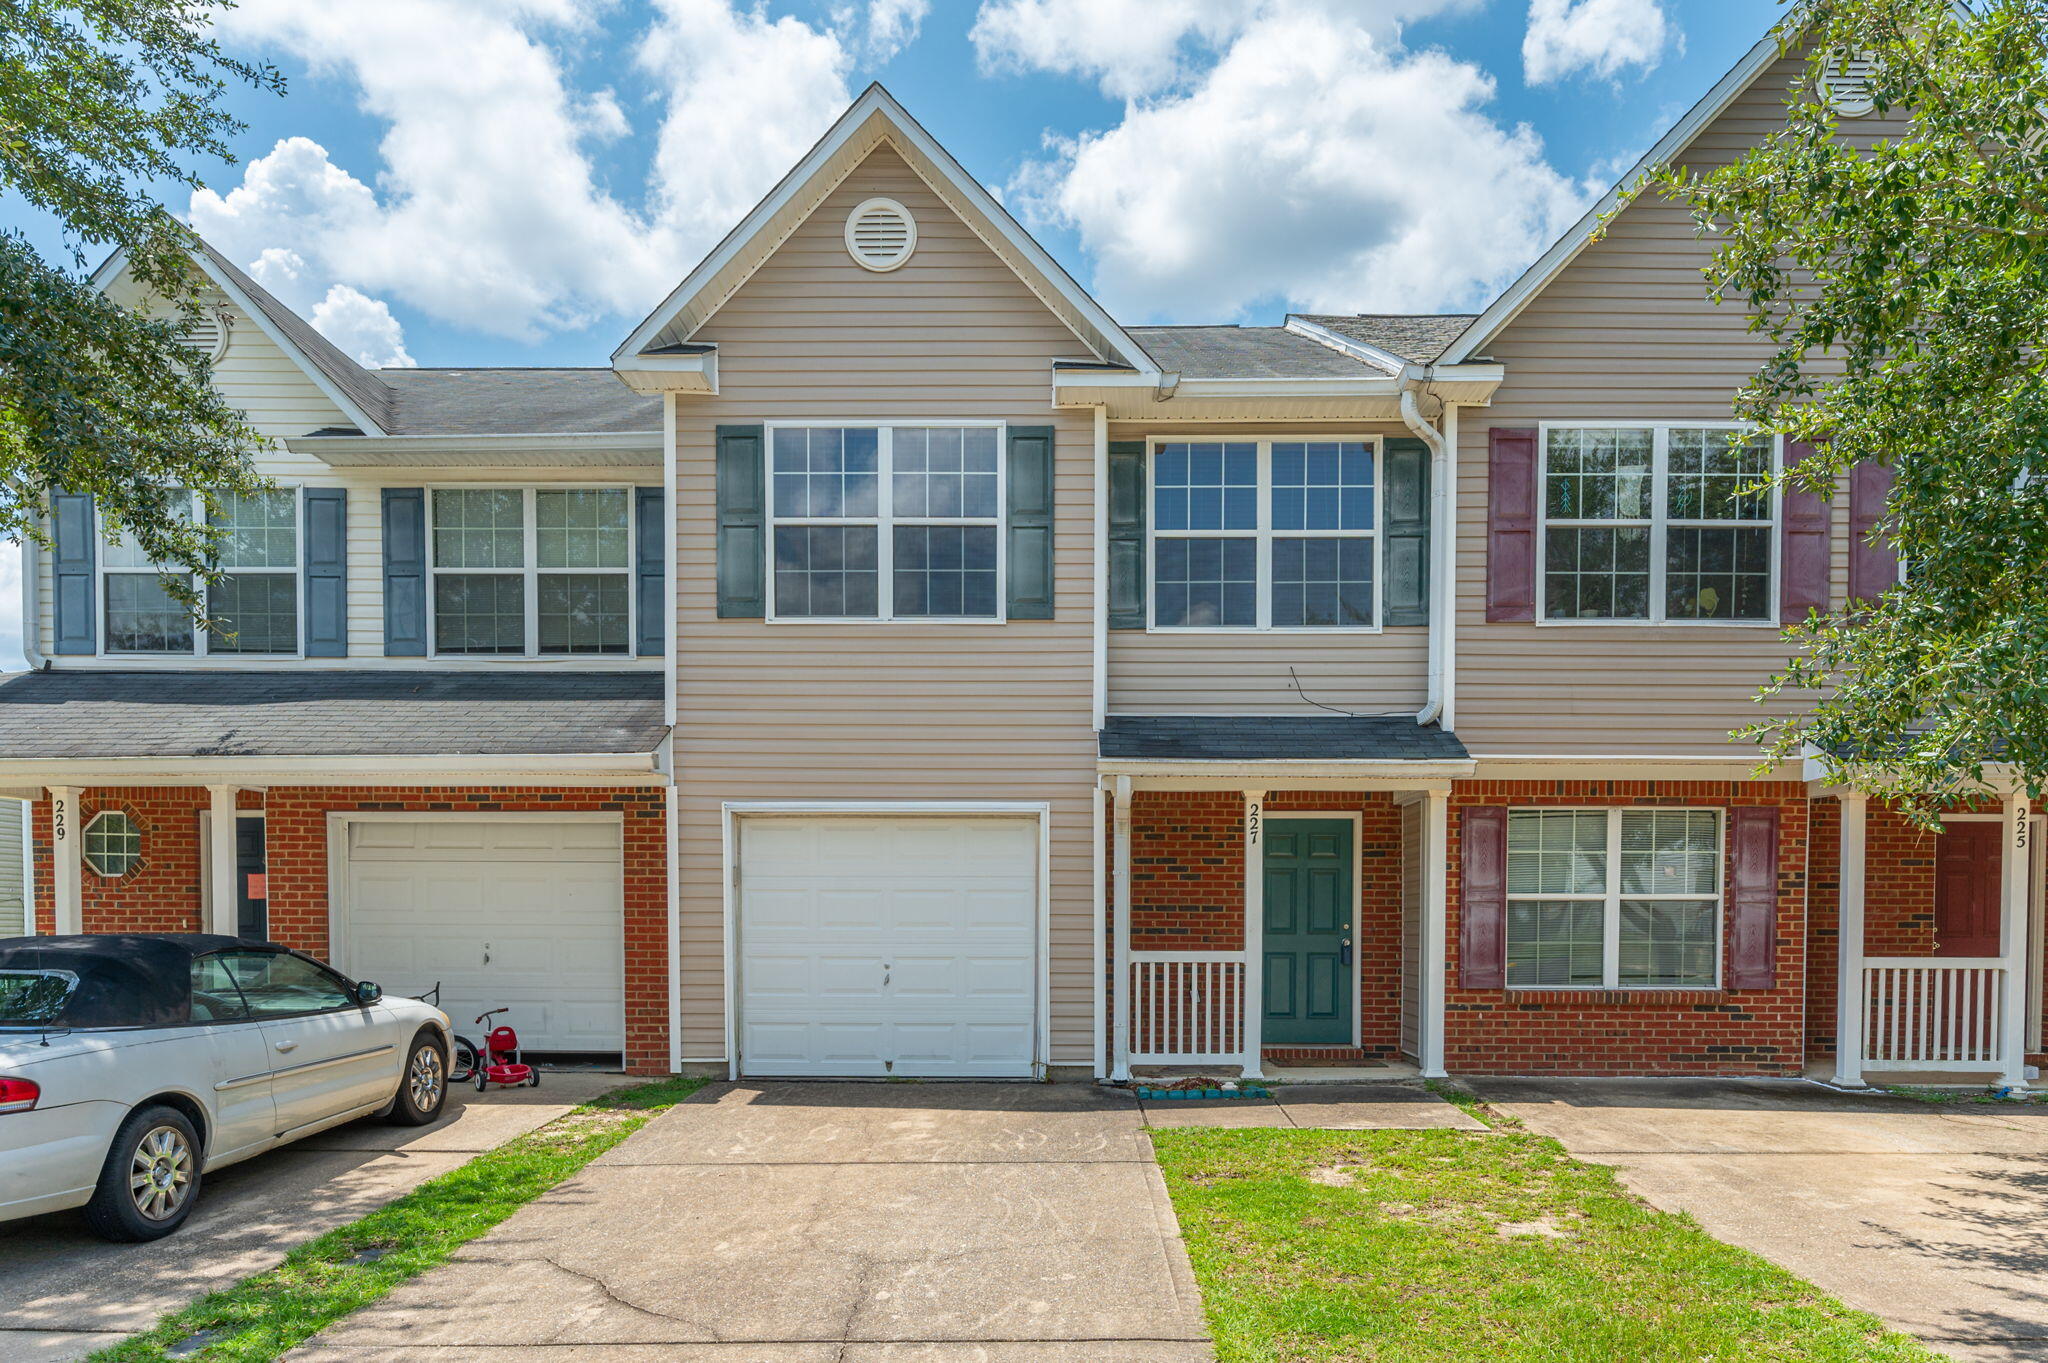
[(64, 1293), (1934, 1218), (827, 1223)]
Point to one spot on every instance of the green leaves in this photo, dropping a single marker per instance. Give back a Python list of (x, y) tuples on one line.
[(100, 102), (1898, 264)]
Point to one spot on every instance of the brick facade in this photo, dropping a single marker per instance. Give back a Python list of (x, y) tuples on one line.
[(163, 894)]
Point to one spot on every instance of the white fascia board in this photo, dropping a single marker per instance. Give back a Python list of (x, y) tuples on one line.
[(1566, 248), (876, 101), (641, 448), (1568, 767), (1346, 345), (580, 769), (669, 373), (1280, 773), (283, 342)]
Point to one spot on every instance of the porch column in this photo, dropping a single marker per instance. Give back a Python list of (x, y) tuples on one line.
[(65, 835), (1849, 942), (1436, 918), (1254, 933), (1120, 912), (2013, 940), (222, 916)]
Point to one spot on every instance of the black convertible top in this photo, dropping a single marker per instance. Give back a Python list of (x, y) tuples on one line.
[(124, 979)]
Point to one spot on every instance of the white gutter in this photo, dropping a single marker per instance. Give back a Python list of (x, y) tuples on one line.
[(1413, 381), (1099, 642), (638, 769), (31, 618)]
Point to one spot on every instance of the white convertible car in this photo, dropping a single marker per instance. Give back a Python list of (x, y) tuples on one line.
[(132, 1065)]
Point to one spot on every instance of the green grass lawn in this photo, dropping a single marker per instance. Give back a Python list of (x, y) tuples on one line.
[(323, 1280), (1416, 1245)]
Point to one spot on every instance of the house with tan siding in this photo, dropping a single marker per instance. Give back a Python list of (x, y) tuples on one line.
[(893, 665)]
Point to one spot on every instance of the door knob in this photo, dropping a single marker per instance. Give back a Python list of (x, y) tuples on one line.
[(287, 1045)]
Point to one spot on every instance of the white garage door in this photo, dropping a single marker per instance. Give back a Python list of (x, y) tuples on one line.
[(888, 946), (517, 913)]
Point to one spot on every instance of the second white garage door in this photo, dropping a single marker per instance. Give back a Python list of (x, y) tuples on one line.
[(888, 946), (519, 913)]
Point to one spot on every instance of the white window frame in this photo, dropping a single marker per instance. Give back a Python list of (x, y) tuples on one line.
[(202, 638), (885, 520), (135, 830), (1659, 524), (1265, 534), (1610, 910), (530, 571)]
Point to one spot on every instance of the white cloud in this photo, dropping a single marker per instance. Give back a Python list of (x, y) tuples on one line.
[(1600, 38), (362, 326), (892, 25), (486, 211), (1318, 164), (1139, 47)]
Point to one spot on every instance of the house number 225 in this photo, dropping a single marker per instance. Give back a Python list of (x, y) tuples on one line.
[(2020, 824)]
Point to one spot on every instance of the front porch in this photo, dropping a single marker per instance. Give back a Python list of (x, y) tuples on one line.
[(1937, 951)]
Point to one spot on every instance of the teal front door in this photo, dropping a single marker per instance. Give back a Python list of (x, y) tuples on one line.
[(1309, 864)]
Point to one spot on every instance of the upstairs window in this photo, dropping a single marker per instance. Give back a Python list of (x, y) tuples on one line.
[(886, 522), (252, 605), (532, 571), (1658, 524), (1265, 535)]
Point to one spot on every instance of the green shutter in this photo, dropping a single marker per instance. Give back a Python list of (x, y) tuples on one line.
[(1029, 471), (1404, 492), (742, 524), (1127, 534)]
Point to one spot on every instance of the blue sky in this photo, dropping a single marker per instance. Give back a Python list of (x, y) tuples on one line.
[(516, 182)]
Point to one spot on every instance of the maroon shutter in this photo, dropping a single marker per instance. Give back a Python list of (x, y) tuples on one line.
[(1872, 567), (1803, 566), (1511, 524), (1752, 898), (1483, 909)]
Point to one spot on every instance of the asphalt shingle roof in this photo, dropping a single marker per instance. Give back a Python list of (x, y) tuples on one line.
[(1224, 352), (1256, 738), (327, 712), (518, 402), (1420, 337), (363, 386)]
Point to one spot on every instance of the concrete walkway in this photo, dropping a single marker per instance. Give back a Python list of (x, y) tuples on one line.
[(65, 1293), (1933, 1217), (826, 1223)]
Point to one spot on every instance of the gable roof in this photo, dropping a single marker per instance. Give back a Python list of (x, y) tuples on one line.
[(1419, 338), (1566, 248), (872, 120)]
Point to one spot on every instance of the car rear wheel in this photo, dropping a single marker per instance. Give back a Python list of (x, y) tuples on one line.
[(150, 1182), (423, 1088)]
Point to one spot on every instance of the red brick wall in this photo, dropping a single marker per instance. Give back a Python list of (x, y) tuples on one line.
[(1898, 905), (1187, 885), (1496, 1031), (163, 893)]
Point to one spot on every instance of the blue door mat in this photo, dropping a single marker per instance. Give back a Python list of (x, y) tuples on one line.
[(1156, 1095)]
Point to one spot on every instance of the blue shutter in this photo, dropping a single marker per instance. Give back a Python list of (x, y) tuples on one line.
[(71, 571), (1030, 522), (742, 524), (405, 572), (649, 601), (1127, 534), (1404, 498), (326, 586)]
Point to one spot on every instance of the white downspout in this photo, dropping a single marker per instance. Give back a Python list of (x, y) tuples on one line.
[(1439, 614), (31, 620), (1098, 642)]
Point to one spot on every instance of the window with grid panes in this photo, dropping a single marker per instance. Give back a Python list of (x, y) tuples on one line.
[(532, 571), (1614, 898)]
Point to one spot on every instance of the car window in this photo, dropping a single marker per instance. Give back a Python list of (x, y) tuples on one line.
[(215, 996), (277, 985), (33, 997)]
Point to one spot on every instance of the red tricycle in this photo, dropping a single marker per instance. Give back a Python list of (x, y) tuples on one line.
[(497, 1060)]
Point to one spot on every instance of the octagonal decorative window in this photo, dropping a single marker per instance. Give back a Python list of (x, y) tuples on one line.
[(113, 844)]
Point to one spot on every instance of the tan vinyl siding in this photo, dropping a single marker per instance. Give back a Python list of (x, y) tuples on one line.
[(1625, 332), (884, 712), (282, 402), (1175, 672)]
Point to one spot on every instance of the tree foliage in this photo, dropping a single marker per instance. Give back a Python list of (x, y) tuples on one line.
[(101, 103), (1898, 265)]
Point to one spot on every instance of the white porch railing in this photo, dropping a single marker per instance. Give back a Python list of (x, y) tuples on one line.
[(1933, 1013), (1187, 1007)]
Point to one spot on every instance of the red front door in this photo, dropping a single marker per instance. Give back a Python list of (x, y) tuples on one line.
[(1967, 872)]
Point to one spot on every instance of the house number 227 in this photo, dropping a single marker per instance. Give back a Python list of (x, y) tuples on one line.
[(1254, 821)]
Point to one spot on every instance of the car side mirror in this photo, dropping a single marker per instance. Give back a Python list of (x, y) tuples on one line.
[(367, 993)]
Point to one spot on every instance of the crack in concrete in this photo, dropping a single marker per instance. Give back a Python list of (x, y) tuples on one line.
[(611, 1295)]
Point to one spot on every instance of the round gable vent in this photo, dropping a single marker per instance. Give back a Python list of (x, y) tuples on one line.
[(1846, 84), (209, 333), (880, 234)]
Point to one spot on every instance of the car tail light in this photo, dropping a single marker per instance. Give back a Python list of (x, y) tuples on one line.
[(19, 1095)]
